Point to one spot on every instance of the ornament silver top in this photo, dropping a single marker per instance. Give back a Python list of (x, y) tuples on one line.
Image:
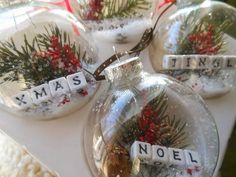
[(125, 70)]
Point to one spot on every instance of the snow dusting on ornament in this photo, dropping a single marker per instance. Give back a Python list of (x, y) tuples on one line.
[(116, 20), (200, 27), (44, 56), (141, 114)]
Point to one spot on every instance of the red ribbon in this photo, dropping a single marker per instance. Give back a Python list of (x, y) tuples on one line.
[(63, 3), (66, 3), (68, 6), (165, 3)]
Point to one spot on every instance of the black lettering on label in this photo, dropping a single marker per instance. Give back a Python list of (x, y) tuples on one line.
[(176, 155), (216, 63), (202, 62), (160, 152), (58, 86), (174, 62), (76, 80), (40, 94), (191, 158), (188, 62), (143, 149), (229, 64), (21, 100)]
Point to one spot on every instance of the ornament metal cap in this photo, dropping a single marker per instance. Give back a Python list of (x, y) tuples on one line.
[(125, 70)]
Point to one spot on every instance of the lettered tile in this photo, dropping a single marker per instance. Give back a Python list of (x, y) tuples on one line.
[(189, 62), (216, 61), (229, 62), (59, 86), (203, 61), (192, 158), (141, 150), (160, 154), (76, 81), (22, 100), (176, 157), (40, 93), (172, 62)]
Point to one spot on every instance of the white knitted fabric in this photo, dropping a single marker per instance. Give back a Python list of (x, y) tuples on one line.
[(15, 161)]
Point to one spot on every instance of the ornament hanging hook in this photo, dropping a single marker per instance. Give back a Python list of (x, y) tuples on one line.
[(115, 51)]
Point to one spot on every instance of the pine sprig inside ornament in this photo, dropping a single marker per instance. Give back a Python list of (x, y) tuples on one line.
[(104, 9), (50, 55), (198, 35), (202, 37), (153, 125), (124, 8)]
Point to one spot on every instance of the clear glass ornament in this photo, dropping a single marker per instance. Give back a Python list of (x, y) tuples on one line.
[(151, 108), (39, 44), (116, 20), (198, 27)]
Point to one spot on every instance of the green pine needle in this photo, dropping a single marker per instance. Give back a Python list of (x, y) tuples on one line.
[(27, 61), (124, 8), (173, 134)]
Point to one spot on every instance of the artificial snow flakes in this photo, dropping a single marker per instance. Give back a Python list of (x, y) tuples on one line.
[(145, 124), (200, 34), (44, 51), (116, 20)]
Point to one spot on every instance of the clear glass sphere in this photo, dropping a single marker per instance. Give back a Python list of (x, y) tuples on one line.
[(116, 21), (40, 44), (206, 28), (151, 108)]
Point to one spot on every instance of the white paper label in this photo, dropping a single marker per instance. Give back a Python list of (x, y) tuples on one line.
[(158, 155), (45, 92), (196, 62), (23, 100)]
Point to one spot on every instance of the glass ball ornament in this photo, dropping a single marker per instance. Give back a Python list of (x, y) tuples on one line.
[(204, 28), (115, 21), (148, 108), (44, 56)]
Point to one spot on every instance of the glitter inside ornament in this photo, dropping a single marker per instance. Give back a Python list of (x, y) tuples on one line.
[(200, 27), (116, 20), (147, 108), (43, 52)]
